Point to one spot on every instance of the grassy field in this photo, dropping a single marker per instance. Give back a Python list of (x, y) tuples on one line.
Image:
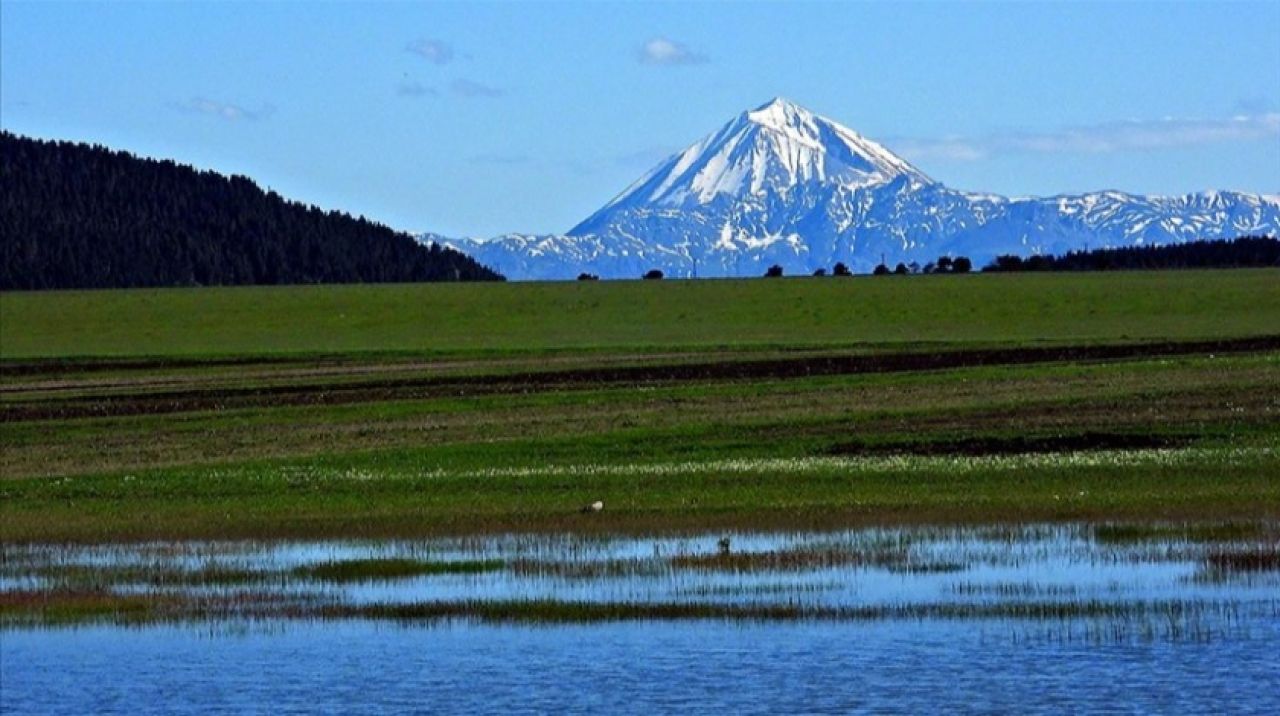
[(403, 410), (668, 315)]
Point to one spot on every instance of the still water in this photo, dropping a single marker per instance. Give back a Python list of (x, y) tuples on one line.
[(880, 620)]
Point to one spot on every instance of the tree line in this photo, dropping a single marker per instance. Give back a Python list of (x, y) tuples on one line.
[(1242, 252), (80, 216)]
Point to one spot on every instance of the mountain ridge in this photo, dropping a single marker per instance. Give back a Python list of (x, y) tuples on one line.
[(778, 184)]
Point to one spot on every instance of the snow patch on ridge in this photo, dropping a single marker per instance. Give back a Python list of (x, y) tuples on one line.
[(780, 184)]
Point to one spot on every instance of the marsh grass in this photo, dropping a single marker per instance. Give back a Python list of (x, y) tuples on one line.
[(1251, 559), (1123, 533), (1014, 589), (788, 589), (384, 569), (867, 575), (550, 611), (926, 567), (70, 606), (156, 575), (815, 557), (1172, 617), (783, 560), (595, 569)]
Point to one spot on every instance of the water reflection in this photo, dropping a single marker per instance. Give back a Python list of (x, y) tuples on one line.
[(1154, 580), (1033, 618)]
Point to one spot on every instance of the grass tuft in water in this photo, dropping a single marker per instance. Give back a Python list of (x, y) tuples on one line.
[(1216, 532), (364, 570), (1254, 559)]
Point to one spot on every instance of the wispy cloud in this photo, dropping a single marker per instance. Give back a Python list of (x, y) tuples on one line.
[(437, 52), (415, 89), (664, 51), (224, 110), (1111, 137), (471, 89)]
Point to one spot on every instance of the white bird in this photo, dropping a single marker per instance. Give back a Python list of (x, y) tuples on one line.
[(594, 506)]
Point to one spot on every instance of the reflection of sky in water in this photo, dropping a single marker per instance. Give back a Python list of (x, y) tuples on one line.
[(897, 665), (901, 666), (1037, 563)]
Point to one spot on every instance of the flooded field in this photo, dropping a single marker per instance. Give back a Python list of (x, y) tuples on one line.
[(1172, 616)]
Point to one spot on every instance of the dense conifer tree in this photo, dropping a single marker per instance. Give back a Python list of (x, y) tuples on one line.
[(80, 216)]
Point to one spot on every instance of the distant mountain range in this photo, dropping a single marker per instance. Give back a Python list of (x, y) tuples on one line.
[(781, 185), (80, 216)]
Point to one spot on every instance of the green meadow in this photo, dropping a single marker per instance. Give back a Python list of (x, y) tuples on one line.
[(651, 315), (384, 411)]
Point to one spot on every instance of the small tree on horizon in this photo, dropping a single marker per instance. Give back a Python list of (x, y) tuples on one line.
[(653, 275), (774, 271), (882, 270), (841, 270), (901, 269), (820, 272), (962, 264), (1005, 262)]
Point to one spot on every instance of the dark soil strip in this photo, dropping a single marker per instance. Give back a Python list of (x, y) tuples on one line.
[(1018, 445), (74, 365), (619, 376)]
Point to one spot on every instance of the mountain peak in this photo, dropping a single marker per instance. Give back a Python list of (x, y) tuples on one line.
[(778, 110), (774, 150), (778, 113), (776, 102)]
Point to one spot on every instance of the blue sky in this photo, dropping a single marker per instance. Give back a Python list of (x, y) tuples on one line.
[(476, 119)]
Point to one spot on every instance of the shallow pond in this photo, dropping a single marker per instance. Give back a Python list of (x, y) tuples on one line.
[(1164, 618)]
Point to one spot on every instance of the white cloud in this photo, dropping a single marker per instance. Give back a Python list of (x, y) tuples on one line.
[(437, 52), (1134, 135), (224, 110), (663, 51)]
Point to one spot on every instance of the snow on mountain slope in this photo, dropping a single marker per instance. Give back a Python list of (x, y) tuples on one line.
[(763, 153), (781, 185)]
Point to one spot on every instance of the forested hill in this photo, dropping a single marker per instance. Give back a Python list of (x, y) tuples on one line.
[(80, 216), (1244, 252)]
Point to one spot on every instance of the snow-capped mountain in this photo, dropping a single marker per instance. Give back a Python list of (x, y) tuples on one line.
[(781, 185)]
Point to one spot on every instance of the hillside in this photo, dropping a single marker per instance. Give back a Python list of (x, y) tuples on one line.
[(80, 216)]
